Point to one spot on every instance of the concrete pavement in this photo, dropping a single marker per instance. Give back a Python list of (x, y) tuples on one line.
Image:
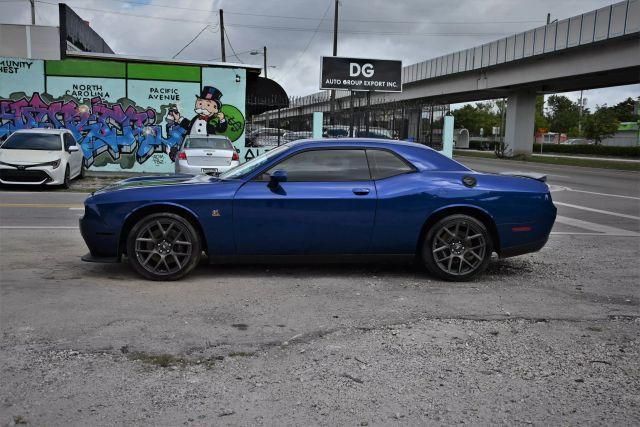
[(545, 338)]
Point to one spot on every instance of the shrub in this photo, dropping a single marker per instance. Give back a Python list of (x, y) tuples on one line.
[(599, 150)]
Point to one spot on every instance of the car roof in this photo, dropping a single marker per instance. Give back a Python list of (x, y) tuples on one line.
[(421, 156), (46, 131), (364, 142), (207, 136)]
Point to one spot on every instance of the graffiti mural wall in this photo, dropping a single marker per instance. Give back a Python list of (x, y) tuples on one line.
[(125, 115)]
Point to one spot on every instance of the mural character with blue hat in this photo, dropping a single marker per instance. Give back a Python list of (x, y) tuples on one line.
[(209, 120)]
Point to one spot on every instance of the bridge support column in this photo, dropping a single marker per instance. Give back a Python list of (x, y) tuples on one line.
[(520, 123)]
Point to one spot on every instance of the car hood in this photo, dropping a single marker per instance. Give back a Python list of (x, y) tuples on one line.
[(28, 157), (157, 181)]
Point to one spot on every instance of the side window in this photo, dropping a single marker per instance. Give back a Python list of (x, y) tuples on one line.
[(69, 141), (325, 166), (385, 164)]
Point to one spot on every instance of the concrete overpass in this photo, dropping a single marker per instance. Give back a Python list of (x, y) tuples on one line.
[(597, 49)]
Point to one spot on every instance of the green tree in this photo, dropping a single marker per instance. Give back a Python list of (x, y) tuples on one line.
[(564, 114), (601, 124), (474, 117), (624, 111), (541, 122)]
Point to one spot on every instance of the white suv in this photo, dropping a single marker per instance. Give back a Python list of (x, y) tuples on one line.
[(40, 156)]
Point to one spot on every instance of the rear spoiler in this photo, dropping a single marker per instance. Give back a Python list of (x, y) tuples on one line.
[(537, 176)]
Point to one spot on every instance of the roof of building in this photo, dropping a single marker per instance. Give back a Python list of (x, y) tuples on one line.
[(128, 58)]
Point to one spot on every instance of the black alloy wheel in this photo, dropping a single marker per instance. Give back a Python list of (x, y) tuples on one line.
[(457, 248), (163, 246)]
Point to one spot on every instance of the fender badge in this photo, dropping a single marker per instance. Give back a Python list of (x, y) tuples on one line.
[(215, 212)]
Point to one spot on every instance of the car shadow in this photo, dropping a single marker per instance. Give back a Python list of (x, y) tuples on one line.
[(497, 269)]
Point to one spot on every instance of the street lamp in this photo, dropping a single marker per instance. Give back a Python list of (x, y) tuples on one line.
[(264, 53)]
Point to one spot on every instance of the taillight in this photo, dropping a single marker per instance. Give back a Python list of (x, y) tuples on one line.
[(235, 156), (182, 155)]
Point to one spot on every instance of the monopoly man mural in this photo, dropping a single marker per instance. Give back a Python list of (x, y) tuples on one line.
[(128, 116), (207, 109)]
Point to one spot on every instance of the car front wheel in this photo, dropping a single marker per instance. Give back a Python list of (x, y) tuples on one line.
[(67, 178), (163, 246), (457, 248)]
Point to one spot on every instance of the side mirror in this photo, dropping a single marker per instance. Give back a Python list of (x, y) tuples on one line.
[(73, 148), (277, 177)]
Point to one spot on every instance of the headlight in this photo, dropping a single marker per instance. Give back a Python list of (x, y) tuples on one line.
[(55, 163)]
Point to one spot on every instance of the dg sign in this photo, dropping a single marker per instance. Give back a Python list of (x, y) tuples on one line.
[(375, 75)]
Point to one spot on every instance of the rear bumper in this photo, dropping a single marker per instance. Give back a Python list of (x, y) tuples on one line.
[(183, 167), (523, 249)]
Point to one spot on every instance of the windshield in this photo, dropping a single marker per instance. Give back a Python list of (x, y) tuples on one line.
[(253, 164), (210, 143), (33, 141)]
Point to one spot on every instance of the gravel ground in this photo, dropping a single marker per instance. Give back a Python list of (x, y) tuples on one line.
[(430, 371), (546, 338)]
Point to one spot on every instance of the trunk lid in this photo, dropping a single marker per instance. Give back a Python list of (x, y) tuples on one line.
[(208, 157)]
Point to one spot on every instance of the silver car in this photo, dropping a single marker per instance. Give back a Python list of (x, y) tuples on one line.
[(210, 155)]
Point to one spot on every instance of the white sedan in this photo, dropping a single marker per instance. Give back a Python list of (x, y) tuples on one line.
[(40, 156), (210, 155)]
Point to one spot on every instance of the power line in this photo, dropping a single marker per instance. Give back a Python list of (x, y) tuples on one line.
[(192, 40), (114, 12), (313, 36), (306, 18), (390, 21), (274, 16), (382, 33), (238, 54), (231, 46)]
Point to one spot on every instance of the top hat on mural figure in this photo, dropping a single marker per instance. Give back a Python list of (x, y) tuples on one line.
[(210, 93)]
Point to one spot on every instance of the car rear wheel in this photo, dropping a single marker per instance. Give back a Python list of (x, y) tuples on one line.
[(163, 246), (457, 248)]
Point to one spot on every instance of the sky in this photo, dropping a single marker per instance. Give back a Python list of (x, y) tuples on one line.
[(298, 32)]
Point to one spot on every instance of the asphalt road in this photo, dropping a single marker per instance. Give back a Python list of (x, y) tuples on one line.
[(545, 338)]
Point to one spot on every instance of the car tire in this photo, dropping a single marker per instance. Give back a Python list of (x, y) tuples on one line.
[(67, 178), (163, 247), (82, 171), (457, 248)]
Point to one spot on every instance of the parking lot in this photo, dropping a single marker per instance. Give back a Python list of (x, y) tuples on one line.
[(546, 338)]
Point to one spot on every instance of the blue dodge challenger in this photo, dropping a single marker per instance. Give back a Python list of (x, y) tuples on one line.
[(346, 198)]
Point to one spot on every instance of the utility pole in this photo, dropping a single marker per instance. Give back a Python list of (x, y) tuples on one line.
[(580, 115), (548, 18), (265, 62), (224, 56), (335, 53), (335, 29), (33, 11)]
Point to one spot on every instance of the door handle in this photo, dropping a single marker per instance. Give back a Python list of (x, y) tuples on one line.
[(361, 191)]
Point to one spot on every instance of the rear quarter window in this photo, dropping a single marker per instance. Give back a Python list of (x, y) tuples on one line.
[(385, 164)]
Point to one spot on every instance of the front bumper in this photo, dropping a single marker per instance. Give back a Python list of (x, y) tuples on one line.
[(36, 175), (90, 258), (183, 167), (101, 240)]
